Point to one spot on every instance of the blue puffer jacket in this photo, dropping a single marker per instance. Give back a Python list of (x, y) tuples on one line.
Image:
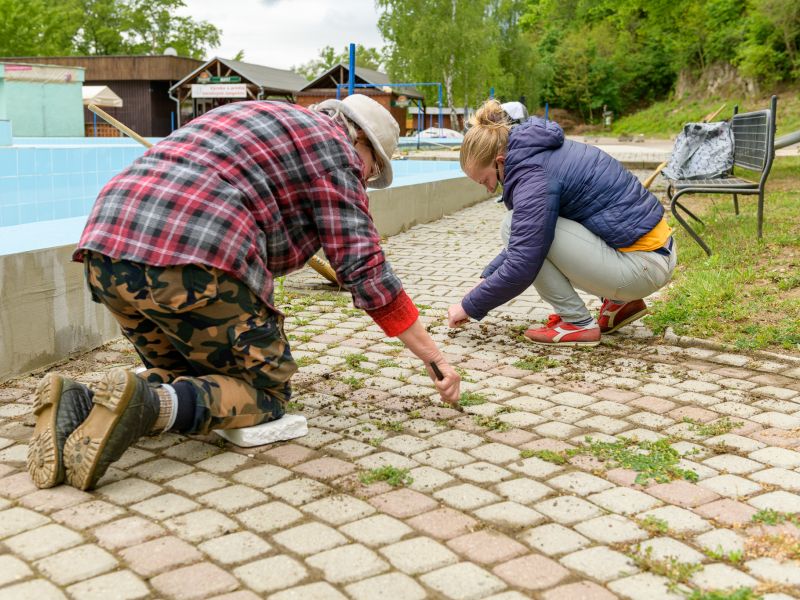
[(547, 177)]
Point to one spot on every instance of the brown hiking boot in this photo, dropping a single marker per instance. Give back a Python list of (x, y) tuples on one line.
[(125, 409), (60, 406), (612, 315)]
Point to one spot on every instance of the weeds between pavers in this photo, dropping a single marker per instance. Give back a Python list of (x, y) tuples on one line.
[(720, 427), (536, 363), (492, 423), (391, 475), (670, 567), (653, 525), (651, 460), (472, 399), (768, 516), (738, 594), (735, 557)]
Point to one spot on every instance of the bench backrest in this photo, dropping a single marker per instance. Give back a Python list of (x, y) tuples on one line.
[(754, 139)]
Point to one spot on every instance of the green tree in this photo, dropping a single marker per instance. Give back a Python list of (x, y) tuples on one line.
[(368, 58), (36, 27), (101, 27), (446, 41)]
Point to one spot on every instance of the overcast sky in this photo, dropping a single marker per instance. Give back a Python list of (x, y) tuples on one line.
[(283, 33)]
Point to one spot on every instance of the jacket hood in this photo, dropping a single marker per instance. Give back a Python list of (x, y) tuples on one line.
[(526, 141)]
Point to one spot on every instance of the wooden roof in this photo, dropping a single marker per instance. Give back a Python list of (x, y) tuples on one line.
[(120, 68)]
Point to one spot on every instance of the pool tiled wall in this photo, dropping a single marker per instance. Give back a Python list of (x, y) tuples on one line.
[(42, 183)]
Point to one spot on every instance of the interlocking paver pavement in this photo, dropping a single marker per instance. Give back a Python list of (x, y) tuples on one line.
[(493, 511)]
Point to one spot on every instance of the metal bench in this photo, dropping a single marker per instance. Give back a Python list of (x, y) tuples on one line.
[(753, 148)]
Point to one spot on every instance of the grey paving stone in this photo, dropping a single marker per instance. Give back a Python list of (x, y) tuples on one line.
[(41, 542), (720, 577), (12, 569), (783, 478), (624, 500), (463, 581), (36, 589), (76, 564), (611, 529), (567, 509), (200, 525), (309, 538), (780, 500), (553, 539), (579, 483), (679, 519), (465, 496), (600, 563), (509, 514), (769, 569), (269, 517), (339, 509), (418, 555), (721, 541), (376, 530), (269, 574), (317, 591), (235, 547), (121, 585), (399, 585), (523, 490), (644, 586), (348, 563), (427, 479), (16, 520), (664, 548)]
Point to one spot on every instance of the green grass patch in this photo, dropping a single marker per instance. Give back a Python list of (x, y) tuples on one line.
[(353, 382), (472, 399), (388, 425), (536, 363), (748, 292), (675, 571), (768, 516), (557, 458), (391, 475), (733, 556), (721, 427), (651, 460), (653, 525), (738, 594), (667, 118), (492, 423)]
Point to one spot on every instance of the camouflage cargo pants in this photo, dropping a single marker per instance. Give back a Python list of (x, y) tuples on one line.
[(199, 325)]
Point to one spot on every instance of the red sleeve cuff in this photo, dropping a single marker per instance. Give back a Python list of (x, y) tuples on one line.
[(397, 316)]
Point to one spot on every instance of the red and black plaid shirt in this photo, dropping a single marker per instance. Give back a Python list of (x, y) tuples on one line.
[(253, 189)]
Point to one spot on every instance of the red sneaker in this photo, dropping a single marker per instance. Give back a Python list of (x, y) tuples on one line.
[(561, 333), (612, 316)]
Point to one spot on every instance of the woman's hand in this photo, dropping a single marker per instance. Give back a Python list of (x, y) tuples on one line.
[(449, 388), (456, 316)]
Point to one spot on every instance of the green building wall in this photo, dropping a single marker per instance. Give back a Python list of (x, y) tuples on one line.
[(43, 109)]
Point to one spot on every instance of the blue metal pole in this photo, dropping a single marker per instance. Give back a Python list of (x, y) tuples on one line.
[(94, 124), (172, 121), (440, 109), (491, 93), (351, 84), (546, 109)]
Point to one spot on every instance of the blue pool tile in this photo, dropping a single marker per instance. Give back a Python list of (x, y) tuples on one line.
[(75, 185), (76, 208), (104, 158), (88, 203), (9, 215), (61, 163), (61, 187), (44, 161), (75, 160), (89, 157), (8, 162), (27, 213), (61, 209), (44, 211), (26, 161), (8, 191), (26, 189), (44, 188), (90, 187)]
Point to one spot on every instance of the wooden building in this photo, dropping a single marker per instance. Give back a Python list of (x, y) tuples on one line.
[(221, 81), (143, 83), (430, 118), (394, 99)]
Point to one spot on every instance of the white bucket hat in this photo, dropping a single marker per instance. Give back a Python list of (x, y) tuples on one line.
[(377, 123)]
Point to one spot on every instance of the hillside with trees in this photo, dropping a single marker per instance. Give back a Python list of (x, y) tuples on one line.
[(583, 54)]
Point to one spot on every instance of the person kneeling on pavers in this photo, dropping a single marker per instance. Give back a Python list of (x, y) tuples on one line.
[(183, 247), (579, 220)]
